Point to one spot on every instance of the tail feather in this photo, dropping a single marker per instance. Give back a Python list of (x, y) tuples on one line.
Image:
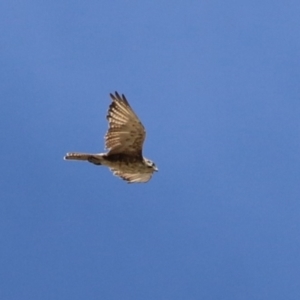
[(93, 158)]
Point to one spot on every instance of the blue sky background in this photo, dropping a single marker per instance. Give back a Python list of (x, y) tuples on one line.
[(216, 84)]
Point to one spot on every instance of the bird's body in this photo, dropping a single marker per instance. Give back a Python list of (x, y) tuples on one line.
[(124, 140)]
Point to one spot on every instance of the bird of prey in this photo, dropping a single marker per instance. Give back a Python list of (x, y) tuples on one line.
[(124, 142)]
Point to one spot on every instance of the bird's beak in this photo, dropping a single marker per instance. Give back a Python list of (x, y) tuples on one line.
[(155, 169)]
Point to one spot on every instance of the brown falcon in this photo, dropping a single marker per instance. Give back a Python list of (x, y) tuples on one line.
[(124, 142)]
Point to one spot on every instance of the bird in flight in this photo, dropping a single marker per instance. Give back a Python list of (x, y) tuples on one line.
[(124, 142)]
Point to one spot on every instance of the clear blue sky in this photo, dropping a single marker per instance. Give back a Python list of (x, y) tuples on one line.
[(217, 86)]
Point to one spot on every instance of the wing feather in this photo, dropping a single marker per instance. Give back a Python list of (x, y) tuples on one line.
[(132, 177), (126, 133)]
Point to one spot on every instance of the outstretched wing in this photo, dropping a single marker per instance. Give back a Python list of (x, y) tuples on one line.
[(126, 133), (132, 177)]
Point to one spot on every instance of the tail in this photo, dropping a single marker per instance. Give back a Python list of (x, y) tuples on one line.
[(92, 158)]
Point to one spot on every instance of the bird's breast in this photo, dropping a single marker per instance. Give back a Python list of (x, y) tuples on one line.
[(126, 163)]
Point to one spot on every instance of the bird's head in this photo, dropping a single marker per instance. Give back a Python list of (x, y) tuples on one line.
[(150, 164)]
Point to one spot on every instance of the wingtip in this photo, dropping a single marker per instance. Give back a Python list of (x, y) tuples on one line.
[(117, 96), (112, 96)]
